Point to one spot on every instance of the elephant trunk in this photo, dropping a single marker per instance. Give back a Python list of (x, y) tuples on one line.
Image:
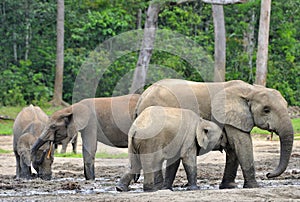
[(38, 143), (286, 136), (39, 162)]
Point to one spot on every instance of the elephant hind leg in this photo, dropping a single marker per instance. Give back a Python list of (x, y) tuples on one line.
[(171, 169)]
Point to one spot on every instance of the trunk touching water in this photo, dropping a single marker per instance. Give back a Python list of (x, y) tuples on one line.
[(286, 136)]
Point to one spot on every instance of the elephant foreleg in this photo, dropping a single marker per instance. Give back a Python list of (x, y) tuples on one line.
[(124, 182), (189, 162), (242, 144), (171, 169), (231, 166)]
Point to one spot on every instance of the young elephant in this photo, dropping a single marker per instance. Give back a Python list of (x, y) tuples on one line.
[(172, 134), (28, 125)]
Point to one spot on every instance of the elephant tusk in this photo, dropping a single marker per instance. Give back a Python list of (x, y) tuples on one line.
[(50, 150)]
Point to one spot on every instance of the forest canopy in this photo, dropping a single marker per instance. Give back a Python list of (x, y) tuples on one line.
[(28, 44)]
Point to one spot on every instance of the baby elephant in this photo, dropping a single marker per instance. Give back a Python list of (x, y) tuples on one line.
[(172, 134), (27, 128)]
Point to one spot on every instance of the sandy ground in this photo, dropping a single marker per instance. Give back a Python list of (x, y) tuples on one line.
[(68, 182)]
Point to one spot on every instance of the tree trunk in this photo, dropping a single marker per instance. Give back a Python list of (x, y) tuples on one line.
[(15, 47), (249, 43), (220, 43), (139, 19), (140, 73), (263, 42), (58, 86), (216, 2), (27, 30)]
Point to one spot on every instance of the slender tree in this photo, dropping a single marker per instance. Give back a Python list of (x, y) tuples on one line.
[(139, 77), (220, 43), (263, 43), (58, 86)]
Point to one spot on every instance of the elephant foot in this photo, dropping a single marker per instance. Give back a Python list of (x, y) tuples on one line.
[(192, 187), (122, 187), (227, 185), (251, 184)]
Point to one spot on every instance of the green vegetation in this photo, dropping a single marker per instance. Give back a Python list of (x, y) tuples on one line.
[(27, 62), (296, 126), (6, 126), (3, 151), (103, 155)]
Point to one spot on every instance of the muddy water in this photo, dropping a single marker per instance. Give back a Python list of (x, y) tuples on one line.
[(68, 181)]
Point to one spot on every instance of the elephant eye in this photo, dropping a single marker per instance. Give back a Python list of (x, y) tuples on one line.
[(266, 109), (205, 131), (53, 126)]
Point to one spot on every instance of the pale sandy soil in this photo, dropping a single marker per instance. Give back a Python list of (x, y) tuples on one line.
[(68, 182)]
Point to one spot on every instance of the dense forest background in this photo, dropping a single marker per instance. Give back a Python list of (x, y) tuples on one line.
[(28, 43)]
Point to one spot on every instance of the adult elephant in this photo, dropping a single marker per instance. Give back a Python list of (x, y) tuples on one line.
[(106, 120), (236, 105)]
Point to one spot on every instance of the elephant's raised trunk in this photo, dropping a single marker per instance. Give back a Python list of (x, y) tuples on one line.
[(286, 135)]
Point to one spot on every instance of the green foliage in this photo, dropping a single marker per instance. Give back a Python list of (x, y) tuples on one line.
[(28, 45), (3, 151), (295, 123)]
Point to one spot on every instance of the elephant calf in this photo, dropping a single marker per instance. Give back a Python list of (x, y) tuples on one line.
[(27, 128), (172, 134)]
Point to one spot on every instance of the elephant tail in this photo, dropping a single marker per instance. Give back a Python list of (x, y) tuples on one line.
[(134, 157)]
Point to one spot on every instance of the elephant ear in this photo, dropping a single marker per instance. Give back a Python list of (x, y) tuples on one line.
[(201, 135), (231, 106), (76, 117)]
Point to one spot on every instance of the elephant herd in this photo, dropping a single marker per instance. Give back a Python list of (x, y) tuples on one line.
[(172, 121)]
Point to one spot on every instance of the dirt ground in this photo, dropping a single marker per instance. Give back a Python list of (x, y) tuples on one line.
[(68, 182)]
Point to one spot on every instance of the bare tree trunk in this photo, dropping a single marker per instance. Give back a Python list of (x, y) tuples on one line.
[(140, 73), (220, 43), (27, 30), (249, 43), (15, 48), (216, 2), (263, 42), (139, 19), (58, 86)]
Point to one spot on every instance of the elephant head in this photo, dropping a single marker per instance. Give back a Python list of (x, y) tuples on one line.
[(244, 106), (42, 161), (208, 136), (64, 123)]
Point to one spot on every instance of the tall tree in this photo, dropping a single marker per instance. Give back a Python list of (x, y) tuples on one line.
[(139, 77), (58, 85), (263, 43), (220, 43)]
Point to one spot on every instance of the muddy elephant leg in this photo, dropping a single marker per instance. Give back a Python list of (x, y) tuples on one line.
[(242, 144), (89, 147), (18, 167), (124, 182), (158, 179), (171, 169), (231, 166), (74, 145), (25, 171), (189, 162)]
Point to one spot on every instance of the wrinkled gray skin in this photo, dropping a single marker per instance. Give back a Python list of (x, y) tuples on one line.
[(27, 128), (106, 120), (173, 134), (237, 105)]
